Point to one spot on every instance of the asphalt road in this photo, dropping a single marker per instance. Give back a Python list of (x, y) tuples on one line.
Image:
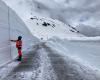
[(44, 63)]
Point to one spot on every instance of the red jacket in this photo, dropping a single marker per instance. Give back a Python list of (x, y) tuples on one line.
[(18, 43)]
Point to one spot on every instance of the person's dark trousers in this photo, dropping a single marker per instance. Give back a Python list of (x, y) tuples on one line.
[(19, 54)]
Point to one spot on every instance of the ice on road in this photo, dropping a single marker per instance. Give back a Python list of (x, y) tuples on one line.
[(45, 63)]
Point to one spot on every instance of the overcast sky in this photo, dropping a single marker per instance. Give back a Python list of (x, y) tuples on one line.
[(82, 11)]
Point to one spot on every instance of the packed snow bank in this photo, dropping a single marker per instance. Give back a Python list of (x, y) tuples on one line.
[(83, 38), (11, 26), (87, 30), (86, 52)]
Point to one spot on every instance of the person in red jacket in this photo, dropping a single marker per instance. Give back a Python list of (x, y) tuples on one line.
[(19, 47)]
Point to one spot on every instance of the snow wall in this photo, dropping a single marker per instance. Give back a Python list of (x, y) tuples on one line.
[(11, 26)]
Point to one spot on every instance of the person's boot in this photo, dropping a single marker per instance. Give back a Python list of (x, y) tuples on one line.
[(19, 58)]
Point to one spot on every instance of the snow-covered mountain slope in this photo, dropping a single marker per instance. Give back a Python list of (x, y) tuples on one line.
[(11, 26), (45, 28)]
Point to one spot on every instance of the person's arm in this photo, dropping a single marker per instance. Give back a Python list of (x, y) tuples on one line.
[(13, 40)]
